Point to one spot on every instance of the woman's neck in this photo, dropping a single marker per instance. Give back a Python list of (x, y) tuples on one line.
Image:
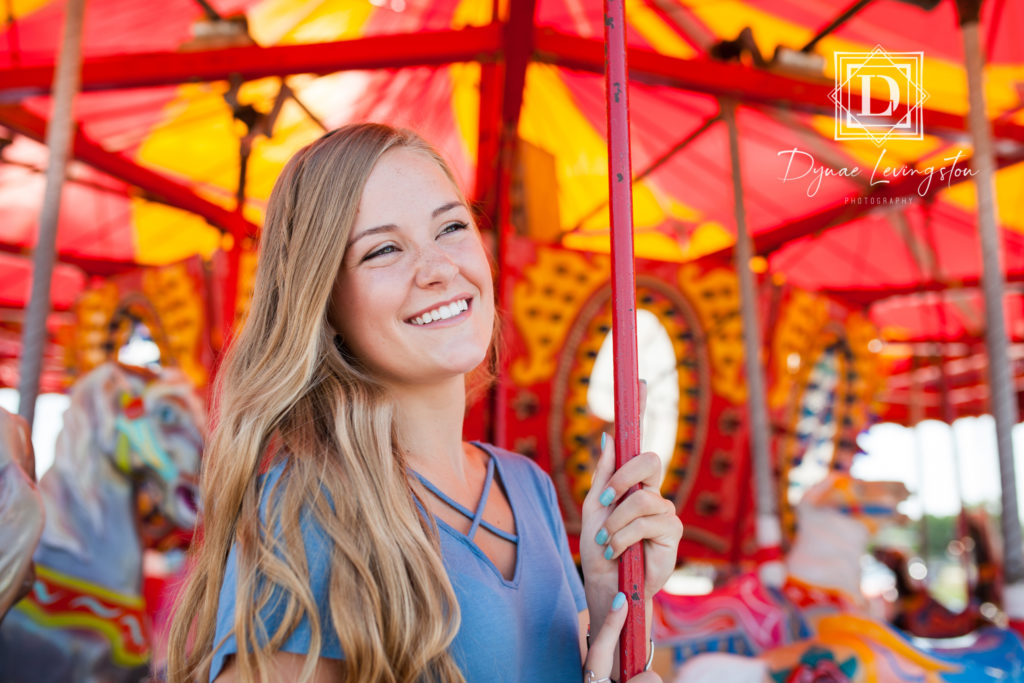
[(429, 422)]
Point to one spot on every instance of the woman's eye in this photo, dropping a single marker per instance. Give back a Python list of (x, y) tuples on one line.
[(452, 227), (386, 249)]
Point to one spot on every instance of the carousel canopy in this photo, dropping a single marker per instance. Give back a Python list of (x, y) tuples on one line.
[(190, 108)]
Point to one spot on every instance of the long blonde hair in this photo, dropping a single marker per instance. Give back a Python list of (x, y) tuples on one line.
[(390, 599)]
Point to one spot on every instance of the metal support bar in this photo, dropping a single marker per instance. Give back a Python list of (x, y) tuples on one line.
[(769, 530), (1003, 397), (59, 135), (143, 70), (633, 642), (170, 191), (843, 212), (471, 44)]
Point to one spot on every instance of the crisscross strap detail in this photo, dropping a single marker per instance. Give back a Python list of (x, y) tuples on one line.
[(478, 516)]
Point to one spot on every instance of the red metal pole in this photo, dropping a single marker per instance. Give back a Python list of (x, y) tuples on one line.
[(633, 644)]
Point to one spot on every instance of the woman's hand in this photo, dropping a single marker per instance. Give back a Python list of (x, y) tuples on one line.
[(613, 521), (601, 656)]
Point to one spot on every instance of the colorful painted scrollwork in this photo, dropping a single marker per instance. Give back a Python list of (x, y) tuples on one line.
[(575, 431), (168, 300)]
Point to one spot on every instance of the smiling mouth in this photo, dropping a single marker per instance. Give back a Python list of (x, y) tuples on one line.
[(443, 312)]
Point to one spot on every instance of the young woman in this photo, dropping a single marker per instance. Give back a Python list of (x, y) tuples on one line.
[(350, 534)]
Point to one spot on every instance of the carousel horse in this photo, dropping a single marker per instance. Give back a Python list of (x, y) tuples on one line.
[(919, 614), (21, 510), (815, 627), (123, 480), (744, 616)]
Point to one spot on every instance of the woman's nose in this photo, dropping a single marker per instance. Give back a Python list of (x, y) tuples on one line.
[(434, 267)]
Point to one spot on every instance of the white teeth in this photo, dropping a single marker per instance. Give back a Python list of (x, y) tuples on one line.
[(442, 312)]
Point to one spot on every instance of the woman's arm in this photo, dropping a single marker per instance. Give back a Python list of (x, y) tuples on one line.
[(287, 666)]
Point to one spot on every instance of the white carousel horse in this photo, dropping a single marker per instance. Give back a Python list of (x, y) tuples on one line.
[(823, 576), (816, 628), (123, 479), (21, 509)]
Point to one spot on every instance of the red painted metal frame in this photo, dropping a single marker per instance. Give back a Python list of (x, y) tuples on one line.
[(833, 216), (633, 642), (176, 194), (87, 265), (507, 80), (478, 43), (863, 297), (492, 79), (727, 79)]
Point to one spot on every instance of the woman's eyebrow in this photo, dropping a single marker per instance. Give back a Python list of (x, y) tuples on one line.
[(391, 226), (445, 207)]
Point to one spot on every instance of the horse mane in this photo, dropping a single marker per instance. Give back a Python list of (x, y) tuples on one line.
[(84, 445)]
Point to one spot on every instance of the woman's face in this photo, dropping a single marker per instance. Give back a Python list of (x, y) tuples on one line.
[(414, 299)]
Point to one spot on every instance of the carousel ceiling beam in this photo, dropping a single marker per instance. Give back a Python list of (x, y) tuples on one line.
[(501, 101), (161, 187), (867, 296), (729, 79), (472, 44), (142, 70), (90, 266), (843, 212)]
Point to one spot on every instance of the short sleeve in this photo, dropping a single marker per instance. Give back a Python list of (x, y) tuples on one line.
[(317, 545), (562, 540)]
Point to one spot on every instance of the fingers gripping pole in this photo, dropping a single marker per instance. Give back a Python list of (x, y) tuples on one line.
[(633, 644)]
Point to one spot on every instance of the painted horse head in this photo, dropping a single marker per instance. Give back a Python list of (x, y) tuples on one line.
[(871, 503), (835, 520), (141, 429)]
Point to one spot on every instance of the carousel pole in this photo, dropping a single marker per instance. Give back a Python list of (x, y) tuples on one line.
[(769, 530), (59, 135), (1002, 397), (633, 643), (949, 417), (917, 416)]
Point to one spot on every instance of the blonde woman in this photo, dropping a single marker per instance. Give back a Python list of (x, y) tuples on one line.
[(350, 534)]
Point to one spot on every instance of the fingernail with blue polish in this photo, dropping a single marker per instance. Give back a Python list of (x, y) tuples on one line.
[(607, 496), (604, 439), (608, 552), (602, 536), (619, 600)]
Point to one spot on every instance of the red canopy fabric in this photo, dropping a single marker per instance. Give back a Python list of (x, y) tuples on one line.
[(162, 152)]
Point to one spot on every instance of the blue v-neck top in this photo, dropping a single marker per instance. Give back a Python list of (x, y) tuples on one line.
[(523, 629)]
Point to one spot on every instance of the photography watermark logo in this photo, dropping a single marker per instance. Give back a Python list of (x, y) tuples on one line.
[(878, 95)]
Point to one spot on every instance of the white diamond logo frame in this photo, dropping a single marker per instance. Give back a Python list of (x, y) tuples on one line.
[(858, 116)]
